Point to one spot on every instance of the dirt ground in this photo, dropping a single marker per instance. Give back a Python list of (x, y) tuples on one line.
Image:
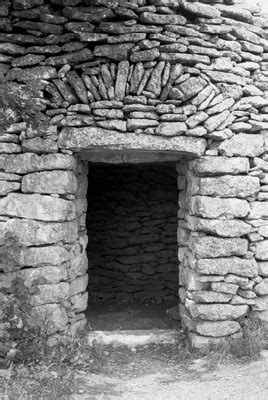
[(152, 375)]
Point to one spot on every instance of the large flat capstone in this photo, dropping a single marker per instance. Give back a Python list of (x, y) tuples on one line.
[(94, 138)]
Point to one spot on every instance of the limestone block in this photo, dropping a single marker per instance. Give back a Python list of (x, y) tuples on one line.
[(258, 210), (212, 247), (216, 312), (8, 187), (35, 233), (79, 285), (78, 265), (261, 289), (9, 148), (48, 255), (206, 296), (94, 138), (200, 341), (189, 279), (79, 302), (263, 231), (224, 287), (30, 162), (76, 327), (261, 250), (53, 315), (36, 206), (261, 304), (224, 186), (51, 293), (263, 268), (243, 144), (202, 10), (217, 328), (219, 227), (61, 182), (238, 280), (209, 207), (43, 275), (39, 145), (231, 265)]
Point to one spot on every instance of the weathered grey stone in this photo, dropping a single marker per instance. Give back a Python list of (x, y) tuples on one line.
[(136, 123), (192, 86), (50, 293), (201, 10), (171, 128), (119, 125), (243, 144), (217, 312), (205, 296), (261, 250), (145, 55), (224, 287), (219, 227), (116, 28), (210, 246), (226, 77), (39, 145), (162, 19), (81, 139), (261, 303), (258, 210), (55, 316), (29, 162), (214, 122), (217, 328), (209, 207), (8, 187), (121, 80), (79, 302), (196, 119), (43, 275), (117, 52), (201, 342), (32, 74), (43, 208), (79, 285), (263, 268), (237, 280), (261, 289), (185, 58), (231, 265), (220, 165), (35, 233), (48, 255), (224, 186), (61, 182), (9, 148)]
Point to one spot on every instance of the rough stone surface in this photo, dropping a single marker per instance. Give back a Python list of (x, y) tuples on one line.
[(43, 208), (209, 207), (96, 138), (61, 182), (212, 247), (232, 265)]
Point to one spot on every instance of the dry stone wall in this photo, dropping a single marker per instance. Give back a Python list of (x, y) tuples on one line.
[(168, 77), (132, 231)]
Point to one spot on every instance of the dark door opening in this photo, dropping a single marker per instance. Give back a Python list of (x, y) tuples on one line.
[(132, 246)]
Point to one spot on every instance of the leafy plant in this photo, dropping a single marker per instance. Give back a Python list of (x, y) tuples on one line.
[(21, 103)]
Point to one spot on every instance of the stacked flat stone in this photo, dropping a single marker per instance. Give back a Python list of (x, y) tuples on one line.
[(163, 76), (132, 225)]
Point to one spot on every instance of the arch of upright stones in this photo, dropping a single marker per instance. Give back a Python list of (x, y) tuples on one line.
[(123, 81)]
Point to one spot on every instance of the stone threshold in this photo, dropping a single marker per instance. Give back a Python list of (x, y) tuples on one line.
[(134, 338)]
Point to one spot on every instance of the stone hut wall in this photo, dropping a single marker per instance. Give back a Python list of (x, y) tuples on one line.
[(169, 78), (132, 231)]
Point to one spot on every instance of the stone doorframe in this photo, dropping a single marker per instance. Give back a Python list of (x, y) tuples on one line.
[(218, 219), (222, 229)]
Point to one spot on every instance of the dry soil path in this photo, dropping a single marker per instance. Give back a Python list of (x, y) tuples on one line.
[(228, 381)]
